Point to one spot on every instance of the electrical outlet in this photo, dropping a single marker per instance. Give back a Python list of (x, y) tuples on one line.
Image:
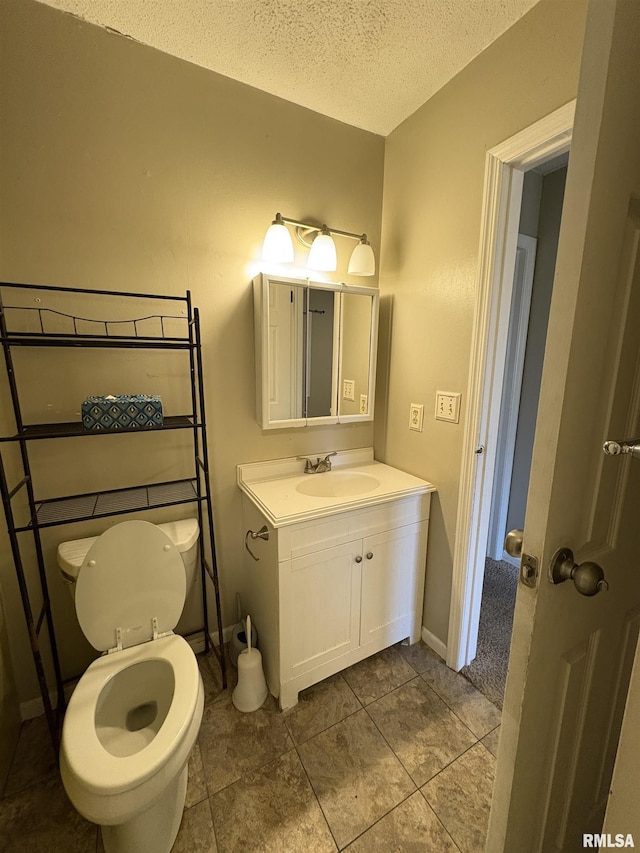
[(349, 390), (448, 406), (364, 408), (416, 416)]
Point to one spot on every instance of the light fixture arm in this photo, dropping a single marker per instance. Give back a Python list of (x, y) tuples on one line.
[(310, 226)]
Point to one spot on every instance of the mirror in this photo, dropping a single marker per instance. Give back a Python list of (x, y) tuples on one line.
[(315, 352), (355, 337)]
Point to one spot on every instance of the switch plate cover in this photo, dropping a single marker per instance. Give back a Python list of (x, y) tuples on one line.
[(448, 406), (349, 390)]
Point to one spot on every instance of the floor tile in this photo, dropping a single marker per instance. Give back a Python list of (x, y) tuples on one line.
[(419, 656), (319, 707), (491, 741), (233, 743), (461, 797), (355, 775), (196, 831), (374, 676), (412, 827), (196, 784), (271, 809), (420, 728), (34, 758), (40, 819), (474, 709)]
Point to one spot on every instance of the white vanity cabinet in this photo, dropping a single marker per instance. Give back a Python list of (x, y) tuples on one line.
[(327, 592)]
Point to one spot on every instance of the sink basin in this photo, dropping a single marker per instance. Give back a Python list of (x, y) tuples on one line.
[(337, 484)]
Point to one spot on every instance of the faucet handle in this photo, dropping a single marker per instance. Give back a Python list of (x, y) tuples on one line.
[(325, 462), (309, 466)]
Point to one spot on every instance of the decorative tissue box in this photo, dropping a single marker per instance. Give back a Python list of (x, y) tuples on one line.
[(126, 411)]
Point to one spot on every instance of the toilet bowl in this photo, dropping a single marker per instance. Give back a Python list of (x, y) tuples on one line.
[(134, 716)]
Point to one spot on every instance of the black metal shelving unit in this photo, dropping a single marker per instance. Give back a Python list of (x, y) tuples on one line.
[(44, 331)]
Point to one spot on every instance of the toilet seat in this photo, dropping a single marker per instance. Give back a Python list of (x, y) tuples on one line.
[(131, 587), (96, 769)]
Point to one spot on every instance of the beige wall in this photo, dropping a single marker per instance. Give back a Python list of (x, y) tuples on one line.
[(124, 168), (434, 170)]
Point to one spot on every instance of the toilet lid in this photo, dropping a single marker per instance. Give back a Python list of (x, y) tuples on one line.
[(131, 574)]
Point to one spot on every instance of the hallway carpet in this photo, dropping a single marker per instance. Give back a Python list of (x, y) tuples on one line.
[(488, 671)]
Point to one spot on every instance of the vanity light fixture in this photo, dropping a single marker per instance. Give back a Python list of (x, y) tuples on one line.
[(278, 246)]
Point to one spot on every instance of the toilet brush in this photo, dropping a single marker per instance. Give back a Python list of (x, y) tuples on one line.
[(239, 636), (251, 691)]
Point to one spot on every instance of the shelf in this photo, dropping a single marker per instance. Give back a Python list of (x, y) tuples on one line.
[(175, 328), (75, 428), (56, 511), (43, 339), (50, 327)]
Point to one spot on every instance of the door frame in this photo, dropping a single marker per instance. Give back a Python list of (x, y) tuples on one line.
[(511, 390), (505, 166)]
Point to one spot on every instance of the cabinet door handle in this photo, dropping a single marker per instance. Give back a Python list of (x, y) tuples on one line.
[(369, 555), (358, 559)]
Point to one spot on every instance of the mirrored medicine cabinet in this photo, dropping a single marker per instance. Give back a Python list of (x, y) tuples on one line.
[(316, 346)]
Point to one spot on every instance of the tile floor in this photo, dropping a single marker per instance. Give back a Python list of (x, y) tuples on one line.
[(396, 753)]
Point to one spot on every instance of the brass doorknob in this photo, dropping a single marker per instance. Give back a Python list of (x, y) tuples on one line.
[(513, 543), (588, 577)]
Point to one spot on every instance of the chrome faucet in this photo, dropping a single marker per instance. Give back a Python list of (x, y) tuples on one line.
[(320, 465)]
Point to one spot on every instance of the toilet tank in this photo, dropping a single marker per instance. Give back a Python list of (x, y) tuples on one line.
[(183, 533)]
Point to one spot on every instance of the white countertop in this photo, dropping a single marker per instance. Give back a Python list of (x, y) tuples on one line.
[(272, 486)]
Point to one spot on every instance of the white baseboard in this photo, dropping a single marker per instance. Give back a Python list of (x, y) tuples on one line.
[(434, 643), (35, 707)]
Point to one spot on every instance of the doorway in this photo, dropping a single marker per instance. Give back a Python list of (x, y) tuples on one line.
[(506, 166), (537, 242)]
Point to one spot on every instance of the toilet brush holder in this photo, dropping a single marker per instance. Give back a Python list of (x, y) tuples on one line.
[(251, 690)]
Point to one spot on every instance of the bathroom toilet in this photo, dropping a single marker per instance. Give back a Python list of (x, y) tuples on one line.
[(135, 714)]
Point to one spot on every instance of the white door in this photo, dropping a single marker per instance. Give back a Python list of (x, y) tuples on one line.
[(571, 655)]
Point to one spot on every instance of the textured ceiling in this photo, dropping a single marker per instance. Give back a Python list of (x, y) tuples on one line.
[(370, 63)]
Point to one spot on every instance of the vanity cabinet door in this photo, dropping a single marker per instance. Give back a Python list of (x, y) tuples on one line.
[(319, 607), (392, 585)]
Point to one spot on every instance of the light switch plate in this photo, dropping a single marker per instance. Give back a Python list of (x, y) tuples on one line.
[(416, 416), (349, 390), (448, 406)]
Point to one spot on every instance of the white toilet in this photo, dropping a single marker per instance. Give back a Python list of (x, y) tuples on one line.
[(135, 714)]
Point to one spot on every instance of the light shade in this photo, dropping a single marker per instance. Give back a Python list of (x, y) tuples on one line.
[(278, 246), (322, 255), (362, 261)]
